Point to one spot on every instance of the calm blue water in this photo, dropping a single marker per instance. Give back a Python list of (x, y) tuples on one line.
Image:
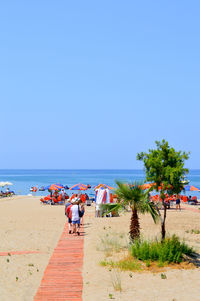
[(24, 179)]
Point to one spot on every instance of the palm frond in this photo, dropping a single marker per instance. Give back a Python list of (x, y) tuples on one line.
[(129, 194), (108, 208), (135, 197), (147, 206)]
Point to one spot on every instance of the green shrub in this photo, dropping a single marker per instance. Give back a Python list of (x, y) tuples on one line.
[(171, 250), (163, 276), (148, 263)]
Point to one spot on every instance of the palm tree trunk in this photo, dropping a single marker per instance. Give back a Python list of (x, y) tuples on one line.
[(163, 231), (134, 226)]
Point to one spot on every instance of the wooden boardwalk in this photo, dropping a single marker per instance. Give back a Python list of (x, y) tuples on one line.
[(62, 279)]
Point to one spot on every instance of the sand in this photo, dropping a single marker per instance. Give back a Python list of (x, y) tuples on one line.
[(26, 225), (180, 285)]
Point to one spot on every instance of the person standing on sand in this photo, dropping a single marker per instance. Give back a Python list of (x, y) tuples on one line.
[(63, 196), (178, 203), (75, 216), (97, 210), (68, 206)]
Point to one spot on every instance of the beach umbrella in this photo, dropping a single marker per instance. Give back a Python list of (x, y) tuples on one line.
[(191, 188), (59, 185), (149, 185), (53, 187), (2, 184), (8, 183), (79, 186), (103, 186), (146, 185)]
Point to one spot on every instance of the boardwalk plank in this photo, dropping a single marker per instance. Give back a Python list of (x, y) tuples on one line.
[(62, 279)]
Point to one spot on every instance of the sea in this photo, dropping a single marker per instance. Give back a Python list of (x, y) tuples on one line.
[(24, 179)]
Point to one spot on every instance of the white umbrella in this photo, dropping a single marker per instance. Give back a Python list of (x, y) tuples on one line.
[(2, 184), (8, 183)]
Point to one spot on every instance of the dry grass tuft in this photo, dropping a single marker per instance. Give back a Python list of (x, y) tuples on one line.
[(116, 280), (110, 243), (129, 263)]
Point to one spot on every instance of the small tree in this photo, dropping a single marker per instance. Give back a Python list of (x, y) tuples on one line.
[(137, 199), (165, 168)]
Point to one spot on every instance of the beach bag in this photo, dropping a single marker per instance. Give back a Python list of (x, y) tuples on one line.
[(80, 212)]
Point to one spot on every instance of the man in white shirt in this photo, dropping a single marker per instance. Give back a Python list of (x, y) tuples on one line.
[(75, 216)]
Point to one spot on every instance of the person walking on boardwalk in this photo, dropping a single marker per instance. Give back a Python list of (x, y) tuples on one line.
[(75, 216), (81, 211), (68, 214)]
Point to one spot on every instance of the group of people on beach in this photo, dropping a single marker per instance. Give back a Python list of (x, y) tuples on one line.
[(6, 193), (74, 211), (175, 199)]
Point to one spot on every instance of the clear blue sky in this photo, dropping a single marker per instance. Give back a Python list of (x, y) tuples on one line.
[(88, 84)]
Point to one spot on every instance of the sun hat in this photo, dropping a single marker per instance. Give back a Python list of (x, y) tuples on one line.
[(74, 200)]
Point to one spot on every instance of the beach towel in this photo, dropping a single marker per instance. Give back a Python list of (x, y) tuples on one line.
[(107, 196), (99, 197), (102, 196)]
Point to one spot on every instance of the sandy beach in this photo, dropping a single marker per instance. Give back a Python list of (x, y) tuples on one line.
[(180, 285), (26, 225), (100, 111)]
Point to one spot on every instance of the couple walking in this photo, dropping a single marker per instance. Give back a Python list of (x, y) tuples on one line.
[(74, 212)]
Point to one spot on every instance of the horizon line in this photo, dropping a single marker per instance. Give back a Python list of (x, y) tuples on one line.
[(81, 168)]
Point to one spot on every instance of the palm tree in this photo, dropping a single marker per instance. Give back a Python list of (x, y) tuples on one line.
[(134, 197)]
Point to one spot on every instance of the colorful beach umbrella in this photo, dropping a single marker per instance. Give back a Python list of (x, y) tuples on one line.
[(146, 185), (79, 186), (54, 187), (143, 186), (60, 185), (103, 186), (191, 188), (149, 185)]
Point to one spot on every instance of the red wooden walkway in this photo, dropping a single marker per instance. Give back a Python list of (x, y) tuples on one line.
[(62, 279)]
